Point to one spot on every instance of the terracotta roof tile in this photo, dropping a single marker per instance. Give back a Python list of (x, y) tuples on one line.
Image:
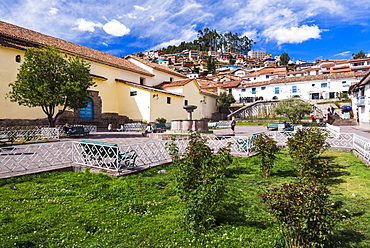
[(209, 92), (32, 38), (156, 66), (175, 83), (146, 87), (308, 78)]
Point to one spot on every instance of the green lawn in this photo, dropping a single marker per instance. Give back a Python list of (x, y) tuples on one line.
[(94, 210)]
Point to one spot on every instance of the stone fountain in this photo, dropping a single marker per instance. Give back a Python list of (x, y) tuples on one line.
[(182, 126)]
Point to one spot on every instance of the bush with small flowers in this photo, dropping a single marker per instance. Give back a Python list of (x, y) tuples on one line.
[(200, 180)]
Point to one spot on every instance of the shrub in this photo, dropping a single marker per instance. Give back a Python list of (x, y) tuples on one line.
[(200, 180), (305, 213), (267, 150), (161, 120), (305, 147)]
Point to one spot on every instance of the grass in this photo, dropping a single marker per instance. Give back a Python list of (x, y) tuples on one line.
[(86, 209)]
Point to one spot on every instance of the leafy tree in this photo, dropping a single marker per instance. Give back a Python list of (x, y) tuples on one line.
[(294, 109), (49, 80), (343, 96), (211, 65), (284, 58), (225, 99), (359, 55), (232, 60), (212, 40)]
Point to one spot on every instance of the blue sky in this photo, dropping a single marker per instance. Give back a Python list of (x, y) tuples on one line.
[(307, 29)]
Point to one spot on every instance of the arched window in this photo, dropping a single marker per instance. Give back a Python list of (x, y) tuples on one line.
[(88, 112)]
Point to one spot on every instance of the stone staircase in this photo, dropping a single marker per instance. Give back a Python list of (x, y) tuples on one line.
[(335, 120)]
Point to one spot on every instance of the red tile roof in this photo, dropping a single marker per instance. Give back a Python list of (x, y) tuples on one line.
[(13, 34), (308, 78), (156, 66), (146, 87), (209, 92), (175, 83)]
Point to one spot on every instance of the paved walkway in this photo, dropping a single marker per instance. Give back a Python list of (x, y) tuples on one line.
[(133, 137)]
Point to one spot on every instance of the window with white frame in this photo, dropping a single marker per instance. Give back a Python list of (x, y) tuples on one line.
[(324, 85), (277, 90)]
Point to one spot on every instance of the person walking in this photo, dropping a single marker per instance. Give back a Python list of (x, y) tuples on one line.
[(233, 124)]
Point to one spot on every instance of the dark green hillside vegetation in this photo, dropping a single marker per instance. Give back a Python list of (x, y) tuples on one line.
[(211, 40), (94, 210)]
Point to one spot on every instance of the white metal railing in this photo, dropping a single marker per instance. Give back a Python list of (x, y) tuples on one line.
[(136, 126), (87, 128), (219, 124), (31, 133), (35, 156), (28, 157), (116, 158), (361, 147), (334, 130)]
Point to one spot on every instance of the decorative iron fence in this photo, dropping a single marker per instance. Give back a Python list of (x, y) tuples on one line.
[(35, 156), (31, 133), (116, 158), (361, 147), (87, 128), (136, 126)]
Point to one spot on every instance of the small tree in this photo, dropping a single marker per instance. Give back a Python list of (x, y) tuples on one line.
[(200, 180), (359, 55), (49, 80), (211, 65), (284, 58), (267, 149), (225, 99), (295, 109)]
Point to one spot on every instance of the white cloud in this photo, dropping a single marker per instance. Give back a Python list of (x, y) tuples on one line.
[(53, 11), (293, 34), (83, 25), (343, 54), (116, 28), (137, 7), (251, 34), (185, 35), (189, 6)]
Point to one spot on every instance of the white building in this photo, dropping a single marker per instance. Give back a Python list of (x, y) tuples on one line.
[(360, 94), (307, 87)]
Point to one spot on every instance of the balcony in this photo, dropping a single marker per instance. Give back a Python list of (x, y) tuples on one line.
[(361, 101)]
